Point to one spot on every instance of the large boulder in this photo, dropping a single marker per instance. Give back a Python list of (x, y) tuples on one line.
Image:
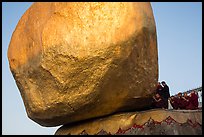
[(75, 61)]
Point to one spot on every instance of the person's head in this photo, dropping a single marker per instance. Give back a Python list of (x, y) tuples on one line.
[(163, 83), (185, 94), (179, 94), (157, 95), (172, 97), (193, 92)]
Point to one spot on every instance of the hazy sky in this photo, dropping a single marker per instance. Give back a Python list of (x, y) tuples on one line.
[(179, 36)]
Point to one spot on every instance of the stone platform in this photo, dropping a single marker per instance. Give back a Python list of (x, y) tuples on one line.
[(149, 122)]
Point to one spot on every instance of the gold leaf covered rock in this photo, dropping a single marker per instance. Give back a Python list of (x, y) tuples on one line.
[(78, 60)]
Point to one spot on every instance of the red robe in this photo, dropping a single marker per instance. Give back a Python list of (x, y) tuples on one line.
[(159, 104), (174, 103), (159, 89), (185, 103), (193, 102)]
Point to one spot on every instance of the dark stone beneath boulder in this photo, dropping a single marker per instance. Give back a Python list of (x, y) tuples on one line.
[(150, 122), (163, 128)]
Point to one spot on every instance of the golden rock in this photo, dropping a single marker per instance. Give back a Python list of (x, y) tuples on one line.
[(78, 60)]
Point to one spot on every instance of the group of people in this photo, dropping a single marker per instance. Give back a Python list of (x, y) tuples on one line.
[(162, 99), (184, 101)]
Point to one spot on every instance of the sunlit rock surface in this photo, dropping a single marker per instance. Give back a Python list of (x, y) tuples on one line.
[(75, 61), (151, 122)]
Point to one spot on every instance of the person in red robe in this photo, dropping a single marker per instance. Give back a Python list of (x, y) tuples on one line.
[(185, 100), (159, 88), (181, 101), (158, 101), (193, 101), (174, 102)]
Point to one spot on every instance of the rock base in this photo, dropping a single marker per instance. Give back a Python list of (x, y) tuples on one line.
[(150, 122)]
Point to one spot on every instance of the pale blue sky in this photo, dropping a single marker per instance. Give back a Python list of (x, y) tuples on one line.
[(179, 33)]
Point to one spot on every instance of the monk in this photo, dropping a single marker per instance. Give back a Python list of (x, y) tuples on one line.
[(174, 102), (158, 101), (181, 104), (193, 101), (185, 100)]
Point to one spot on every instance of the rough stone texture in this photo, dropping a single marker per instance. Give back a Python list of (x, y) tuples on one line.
[(151, 122), (74, 61)]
